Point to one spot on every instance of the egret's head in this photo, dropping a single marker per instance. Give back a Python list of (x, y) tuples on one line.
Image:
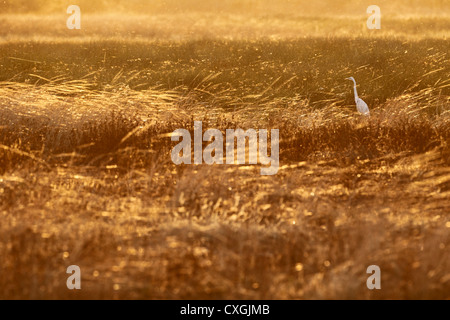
[(350, 78)]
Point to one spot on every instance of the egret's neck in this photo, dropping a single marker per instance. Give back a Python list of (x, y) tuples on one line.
[(354, 88)]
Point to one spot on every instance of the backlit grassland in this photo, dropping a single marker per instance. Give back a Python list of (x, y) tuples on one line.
[(141, 227), (86, 176), (247, 71), (254, 7), (200, 26)]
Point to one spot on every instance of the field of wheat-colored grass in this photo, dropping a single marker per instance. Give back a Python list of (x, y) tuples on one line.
[(86, 176)]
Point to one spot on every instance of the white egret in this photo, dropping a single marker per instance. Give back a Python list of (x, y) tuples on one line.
[(360, 104)]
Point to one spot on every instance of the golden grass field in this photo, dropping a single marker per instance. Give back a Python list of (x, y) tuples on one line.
[(86, 176)]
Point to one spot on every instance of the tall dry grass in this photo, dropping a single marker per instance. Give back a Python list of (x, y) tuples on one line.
[(87, 180), (86, 176)]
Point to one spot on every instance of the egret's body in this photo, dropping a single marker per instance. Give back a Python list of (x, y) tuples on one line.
[(361, 106)]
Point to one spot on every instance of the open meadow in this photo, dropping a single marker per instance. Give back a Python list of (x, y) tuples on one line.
[(86, 176)]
